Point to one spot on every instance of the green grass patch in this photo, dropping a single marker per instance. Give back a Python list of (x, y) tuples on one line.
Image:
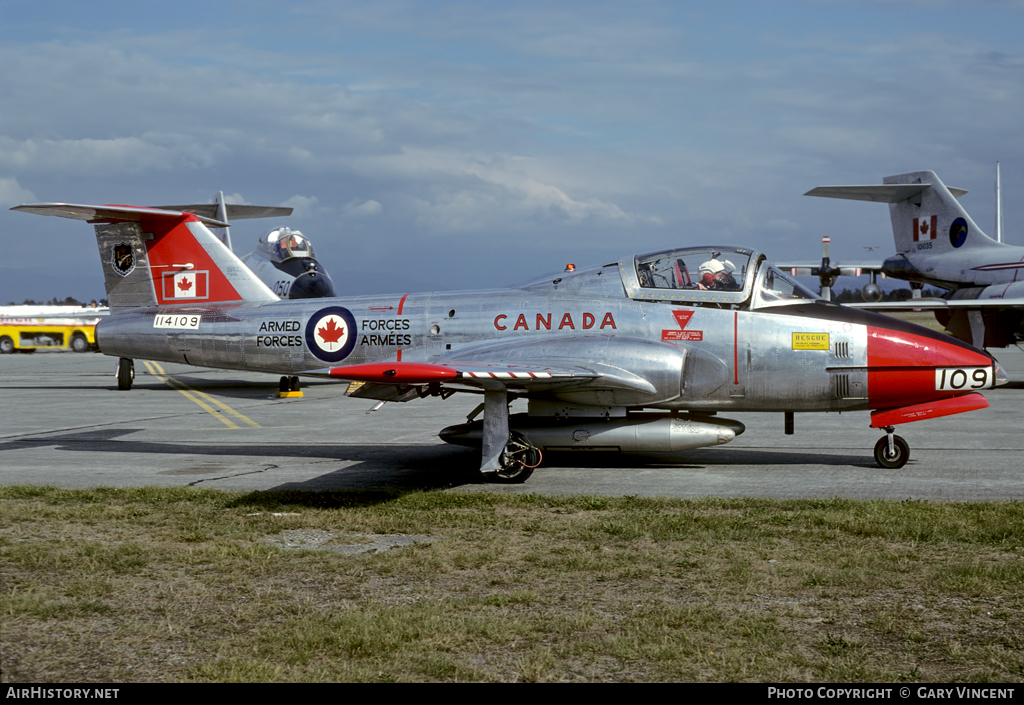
[(185, 584)]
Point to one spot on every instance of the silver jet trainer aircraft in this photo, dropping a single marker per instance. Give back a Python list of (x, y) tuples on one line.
[(639, 354), (937, 243)]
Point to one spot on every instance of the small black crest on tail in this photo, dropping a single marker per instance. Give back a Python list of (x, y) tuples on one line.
[(122, 258)]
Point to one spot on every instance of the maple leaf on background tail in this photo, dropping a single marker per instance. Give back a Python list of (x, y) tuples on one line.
[(331, 333), (184, 285)]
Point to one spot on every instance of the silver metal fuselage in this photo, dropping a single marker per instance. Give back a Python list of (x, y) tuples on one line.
[(723, 359)]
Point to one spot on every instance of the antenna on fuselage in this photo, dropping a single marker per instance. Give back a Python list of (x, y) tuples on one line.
[(999, 208)]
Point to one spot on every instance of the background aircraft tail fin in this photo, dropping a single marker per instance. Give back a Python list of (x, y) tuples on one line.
[(925, 212), (154, 257), (933, 219)]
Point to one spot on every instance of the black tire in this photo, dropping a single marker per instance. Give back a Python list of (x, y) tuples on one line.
[(900, 456), (293, 384), (79, 343), (6, 345), (518, 460), (125, 373)]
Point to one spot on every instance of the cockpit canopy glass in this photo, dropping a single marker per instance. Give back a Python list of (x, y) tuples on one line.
[(285, 243), (695, 269), (775, 288)]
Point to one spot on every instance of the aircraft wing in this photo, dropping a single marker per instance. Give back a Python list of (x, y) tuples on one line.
[(845, 269), (397, 380), (940, 304), (473, 374), (401, 381)]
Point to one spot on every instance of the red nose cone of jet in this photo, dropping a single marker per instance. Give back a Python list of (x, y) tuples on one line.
[(906, 368)]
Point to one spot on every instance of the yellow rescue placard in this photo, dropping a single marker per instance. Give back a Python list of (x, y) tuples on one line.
[(810, 341)]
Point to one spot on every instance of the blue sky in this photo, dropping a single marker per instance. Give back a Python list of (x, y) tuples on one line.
[(438, 145)]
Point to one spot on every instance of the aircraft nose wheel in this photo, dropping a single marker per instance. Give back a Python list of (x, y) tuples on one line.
[(518, 460), (895, 456)]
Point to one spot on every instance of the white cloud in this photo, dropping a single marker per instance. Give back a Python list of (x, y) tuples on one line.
[(12, 194), (370, 207), (303, 206), (124, 155), (469, 191)]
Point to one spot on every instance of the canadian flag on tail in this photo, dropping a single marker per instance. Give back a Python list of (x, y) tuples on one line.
[(186, 285), (924, 228)]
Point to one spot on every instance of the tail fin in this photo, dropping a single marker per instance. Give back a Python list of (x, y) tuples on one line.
[(154, 257), (922, 208)]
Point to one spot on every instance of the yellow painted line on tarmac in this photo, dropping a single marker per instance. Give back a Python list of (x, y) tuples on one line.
[(198, 397)]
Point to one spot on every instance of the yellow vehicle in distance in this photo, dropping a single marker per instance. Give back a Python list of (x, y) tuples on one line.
[(29, 328)]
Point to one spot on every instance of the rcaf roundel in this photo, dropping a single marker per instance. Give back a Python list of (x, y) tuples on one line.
[(331, 333)]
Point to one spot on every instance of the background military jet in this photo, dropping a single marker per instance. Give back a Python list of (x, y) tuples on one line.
[(937, 243), (638, 354)]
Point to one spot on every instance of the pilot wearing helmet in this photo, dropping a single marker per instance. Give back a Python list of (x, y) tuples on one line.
[(718, 275), (287, 243)]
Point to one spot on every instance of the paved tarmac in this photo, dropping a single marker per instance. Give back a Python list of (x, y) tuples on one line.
[(63, 423)]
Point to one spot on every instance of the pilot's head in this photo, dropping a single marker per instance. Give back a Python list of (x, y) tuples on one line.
[(708, 270), (725, 275)]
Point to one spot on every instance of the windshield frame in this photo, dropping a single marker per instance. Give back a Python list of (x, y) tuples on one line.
[(760, 300)]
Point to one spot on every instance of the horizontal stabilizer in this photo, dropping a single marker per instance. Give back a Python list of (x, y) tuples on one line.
[(887, 193), (109, 213), (234, 211)]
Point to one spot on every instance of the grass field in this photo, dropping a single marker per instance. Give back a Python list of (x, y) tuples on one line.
[(201, 585)]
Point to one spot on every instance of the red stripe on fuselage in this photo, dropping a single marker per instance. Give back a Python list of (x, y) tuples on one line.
[(735, 347), (401, 305)]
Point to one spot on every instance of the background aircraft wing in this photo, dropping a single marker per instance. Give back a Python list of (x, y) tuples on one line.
[(940, 304), (846, 269)]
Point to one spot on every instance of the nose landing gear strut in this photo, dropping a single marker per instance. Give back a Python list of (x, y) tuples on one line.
[(892, 451)]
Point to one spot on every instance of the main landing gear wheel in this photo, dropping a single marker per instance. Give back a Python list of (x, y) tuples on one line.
[(518, 460), (288, 384), (125, 373), (897, 457)]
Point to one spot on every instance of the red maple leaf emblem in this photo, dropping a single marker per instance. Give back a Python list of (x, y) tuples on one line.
[(924, 226), (331, 333), (184, 285)]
